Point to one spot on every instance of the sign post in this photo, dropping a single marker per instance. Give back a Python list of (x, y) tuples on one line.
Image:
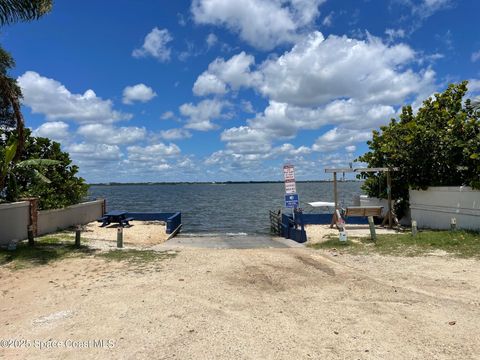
[(291, 196)]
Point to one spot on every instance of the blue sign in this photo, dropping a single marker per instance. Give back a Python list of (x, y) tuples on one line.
[(291, 201)]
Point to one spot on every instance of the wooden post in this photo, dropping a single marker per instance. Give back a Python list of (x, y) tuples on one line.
[(78, 231), (373, 234), (335, 199), (335, 195), (389, 193), (104, 206), (31, 236), (33, 215), (120, 237)]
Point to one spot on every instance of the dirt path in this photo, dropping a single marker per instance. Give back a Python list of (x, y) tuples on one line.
[(248, 304)]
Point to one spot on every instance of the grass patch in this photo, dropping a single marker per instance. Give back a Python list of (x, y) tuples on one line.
[(45, 250), (137, 256), (333, 243), (59, 246), (464, 244)]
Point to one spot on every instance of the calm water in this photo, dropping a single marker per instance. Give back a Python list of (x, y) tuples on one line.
[(218, 208)]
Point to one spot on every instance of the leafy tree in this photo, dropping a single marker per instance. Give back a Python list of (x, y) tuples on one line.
[(56, 185), (437, 146)]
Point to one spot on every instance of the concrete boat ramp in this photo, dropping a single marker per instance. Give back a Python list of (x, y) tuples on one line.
[(218, 241)]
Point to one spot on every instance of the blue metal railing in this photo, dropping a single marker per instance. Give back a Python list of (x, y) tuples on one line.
[(173, 220), (291, 230)]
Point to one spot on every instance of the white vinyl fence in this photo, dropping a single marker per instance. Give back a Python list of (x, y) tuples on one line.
[(53, 220), (15, 219), (435, 207)]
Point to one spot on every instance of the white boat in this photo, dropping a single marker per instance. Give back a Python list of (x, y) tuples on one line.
[(322, 204)]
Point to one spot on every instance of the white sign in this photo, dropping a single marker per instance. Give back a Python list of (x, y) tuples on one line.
[(288, 173), (290, 187)]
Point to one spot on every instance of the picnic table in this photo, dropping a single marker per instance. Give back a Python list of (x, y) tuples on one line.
[(115, 216)]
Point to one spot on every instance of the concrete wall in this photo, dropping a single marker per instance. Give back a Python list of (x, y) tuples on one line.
[(14, 221), (53, 220), (433, 208)]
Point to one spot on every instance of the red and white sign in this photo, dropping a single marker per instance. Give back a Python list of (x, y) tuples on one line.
[(289, 175), (290, 188)]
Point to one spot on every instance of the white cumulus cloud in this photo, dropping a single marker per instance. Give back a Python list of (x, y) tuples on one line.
[(94, 153), (167, 115), (263, 24), (49, 97), (337, 138), (175, 134), (152, 153), (155, 45), (319, 70), (207, 84), (200, 116), (139, 92), (108, 134), (353, 85), (55, 130), (235, 72)]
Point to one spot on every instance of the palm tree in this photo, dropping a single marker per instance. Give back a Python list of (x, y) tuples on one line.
[(10, 95), (8, 167), (12, 11)]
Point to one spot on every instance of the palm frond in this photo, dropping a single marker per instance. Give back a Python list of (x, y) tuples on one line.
[(41, 177), (37, 162), (12, 11), (10, 151)]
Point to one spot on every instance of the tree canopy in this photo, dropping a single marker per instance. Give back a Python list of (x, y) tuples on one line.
[(43, 171), (439, 145)]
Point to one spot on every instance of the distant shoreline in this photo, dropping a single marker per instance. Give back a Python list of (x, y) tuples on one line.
[(211, 182)]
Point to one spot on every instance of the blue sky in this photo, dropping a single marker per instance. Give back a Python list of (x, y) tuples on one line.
[(212, 90)]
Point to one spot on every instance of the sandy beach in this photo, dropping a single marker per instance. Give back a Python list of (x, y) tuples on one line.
[(292, 303), (138, 233), (320, 233)]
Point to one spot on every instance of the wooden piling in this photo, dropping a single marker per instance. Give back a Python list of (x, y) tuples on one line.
[(373, 234), (389, 195), (31, 235), (120, 237), (78, 231)]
